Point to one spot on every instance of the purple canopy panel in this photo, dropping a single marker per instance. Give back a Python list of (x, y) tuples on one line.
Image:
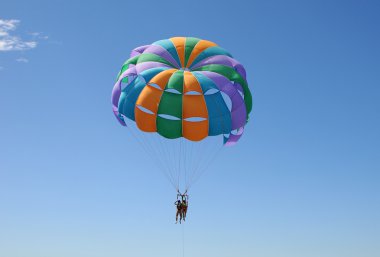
[(223, 60), (239, 87), (232, 139), (137, 51), (240, 69), (238, 109), (162, 52), (115, 98), (140, 67), (116, 91)]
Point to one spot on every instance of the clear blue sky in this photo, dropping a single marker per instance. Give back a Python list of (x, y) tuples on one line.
[(303, 181)]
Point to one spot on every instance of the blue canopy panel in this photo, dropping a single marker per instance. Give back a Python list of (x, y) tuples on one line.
[(219, 115), (131, 92), (169, 46)]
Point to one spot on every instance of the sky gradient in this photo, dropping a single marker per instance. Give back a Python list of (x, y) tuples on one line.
[(303, 180)]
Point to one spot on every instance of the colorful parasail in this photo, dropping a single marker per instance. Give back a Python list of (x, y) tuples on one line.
[(185, 89)]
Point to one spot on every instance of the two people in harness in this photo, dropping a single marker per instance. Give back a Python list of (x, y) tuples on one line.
[(181, 205)]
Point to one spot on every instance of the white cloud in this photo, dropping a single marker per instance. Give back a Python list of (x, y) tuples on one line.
[(7, 25), (22, 59), (10, 42), (38, 35), (35, 34)]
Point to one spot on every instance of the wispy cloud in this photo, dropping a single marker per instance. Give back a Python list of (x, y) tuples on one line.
[(38, 35), (11, 42), (22, 59)]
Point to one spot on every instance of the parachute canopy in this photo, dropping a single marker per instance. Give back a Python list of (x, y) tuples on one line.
[(183, 87)]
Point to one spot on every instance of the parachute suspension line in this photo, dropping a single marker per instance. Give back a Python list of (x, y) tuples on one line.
[(191, 164), (194, 180), (185, 164), (164, 144), (156, 152), (173, 152), (179, 161), (196, 162), (162, 165), (202, 163), (203, 150), (188, 163), (146, 149), (201, 154), (166, 153), (150, 141), (209, 151), (184, 143)]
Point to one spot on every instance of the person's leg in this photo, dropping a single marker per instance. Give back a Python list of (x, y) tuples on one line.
[(176, 217), (184, 213)]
